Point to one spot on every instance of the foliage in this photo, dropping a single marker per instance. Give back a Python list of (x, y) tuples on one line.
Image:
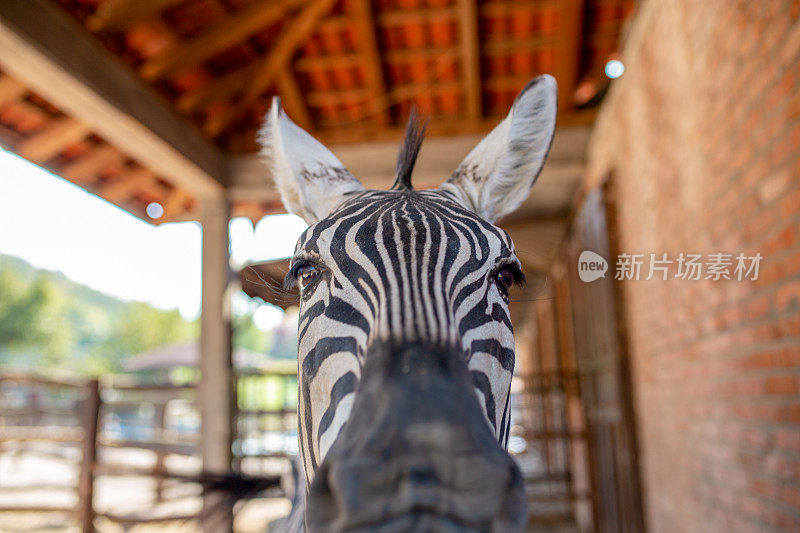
[(49, 321), (247, 335)]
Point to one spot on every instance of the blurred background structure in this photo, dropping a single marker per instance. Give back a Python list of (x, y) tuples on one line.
[(650, 404)]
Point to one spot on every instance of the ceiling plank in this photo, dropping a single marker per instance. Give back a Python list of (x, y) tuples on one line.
[(570, 46), (354, 59), (11, 90), (292, 37), (470, 56), (372, 58), (121, 188), (329, 61), (400, 94), (55, 57), (292, 98), (54, 137), (120, 14), (217, 90), (505, 9), (86, 169), (503, 45), (415, 16), (221, 36), (174, 205)]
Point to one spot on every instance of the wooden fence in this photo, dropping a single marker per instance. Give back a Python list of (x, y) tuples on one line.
[(88, 423)]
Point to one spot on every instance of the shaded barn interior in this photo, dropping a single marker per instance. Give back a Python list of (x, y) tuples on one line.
[(659, 404), (154, 105)]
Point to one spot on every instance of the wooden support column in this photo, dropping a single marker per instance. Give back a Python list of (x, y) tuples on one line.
[(216, 393), (90, 414)]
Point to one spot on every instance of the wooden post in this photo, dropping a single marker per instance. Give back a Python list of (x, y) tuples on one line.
[(216, 392), (160, 424), (89, 419)]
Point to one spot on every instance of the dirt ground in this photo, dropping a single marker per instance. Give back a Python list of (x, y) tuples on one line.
[(55, 473)]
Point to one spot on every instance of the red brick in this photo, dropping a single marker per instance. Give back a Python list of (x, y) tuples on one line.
[(706, 161)]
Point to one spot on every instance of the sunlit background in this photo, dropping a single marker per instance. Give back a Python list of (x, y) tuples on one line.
[(153, 272)]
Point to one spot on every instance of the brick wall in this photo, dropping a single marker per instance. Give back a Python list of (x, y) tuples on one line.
[(702, 134)]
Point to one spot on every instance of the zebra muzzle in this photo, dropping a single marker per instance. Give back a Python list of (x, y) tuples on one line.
[(417, 453)]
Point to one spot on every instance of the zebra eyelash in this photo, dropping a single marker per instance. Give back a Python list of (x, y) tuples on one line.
[(290, 281), (516, 271)]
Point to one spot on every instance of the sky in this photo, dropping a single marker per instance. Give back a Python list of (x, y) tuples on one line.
[(58, 226)]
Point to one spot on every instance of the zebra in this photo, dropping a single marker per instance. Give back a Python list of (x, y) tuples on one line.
[(406, 348)]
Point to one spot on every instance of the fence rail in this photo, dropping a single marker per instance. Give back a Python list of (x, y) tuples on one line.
[(88, 423)]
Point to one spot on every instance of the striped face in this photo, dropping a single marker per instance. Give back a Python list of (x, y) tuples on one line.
[(406, 349), (404, 266)]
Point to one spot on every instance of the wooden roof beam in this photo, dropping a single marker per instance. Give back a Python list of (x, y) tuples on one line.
[(221, 36), (503, 9), (415, 16), (292, 98), (121, 14), (85, 169), (174, 205), (119, 189), (292, 37), (354, 59), (372, 60), (502, 45), (470, 57), (54, 137), (54, 56), (217, 90), (11, 90)]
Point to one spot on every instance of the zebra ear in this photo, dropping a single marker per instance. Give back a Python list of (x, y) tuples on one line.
[(311, 181), (496, 177)]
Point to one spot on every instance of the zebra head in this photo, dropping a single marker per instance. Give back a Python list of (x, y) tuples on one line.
[(406, 349)]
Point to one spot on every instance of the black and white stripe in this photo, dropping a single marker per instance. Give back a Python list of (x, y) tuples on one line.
[(401, 265)]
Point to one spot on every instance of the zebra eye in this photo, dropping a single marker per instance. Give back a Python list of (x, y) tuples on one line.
[(505, 277), (306, 274)]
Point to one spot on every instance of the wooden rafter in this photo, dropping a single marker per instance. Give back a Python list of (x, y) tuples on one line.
[(506, 9), (292, 37), (220, 89), (175, 204), (415, 16), (409, 55), (55, 57), (503, 46), (11, 90), (399, 94), (569, 49), (85, 169), (120, 14), (292, 98), (329, 61), (354, 59), (470, 56), (372, 59), (122, 187), (54, 137), (222, 35)]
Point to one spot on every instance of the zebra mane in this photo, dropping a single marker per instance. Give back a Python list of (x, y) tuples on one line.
[(415, 132)]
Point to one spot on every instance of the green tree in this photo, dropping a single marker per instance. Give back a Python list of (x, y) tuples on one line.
[(139, 328), (247, 335), (48, 321)]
